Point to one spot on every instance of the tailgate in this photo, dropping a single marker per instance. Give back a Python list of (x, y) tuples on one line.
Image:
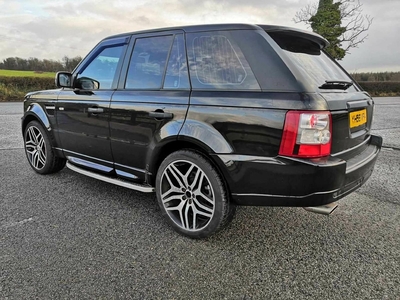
[(352, 115)]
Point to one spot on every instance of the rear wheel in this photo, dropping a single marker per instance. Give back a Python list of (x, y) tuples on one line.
[(192, 195), (39, 151)]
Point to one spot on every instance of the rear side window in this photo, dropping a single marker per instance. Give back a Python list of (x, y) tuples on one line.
[(216, 62), (148, 62)]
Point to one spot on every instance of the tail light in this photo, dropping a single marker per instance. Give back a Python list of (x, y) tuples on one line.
[(307, 134)]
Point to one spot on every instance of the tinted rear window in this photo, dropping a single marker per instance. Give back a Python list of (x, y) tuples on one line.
[(316, 67), (216, 62)]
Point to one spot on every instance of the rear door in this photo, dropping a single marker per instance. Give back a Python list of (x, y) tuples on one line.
[(83, 112), (150, 105)]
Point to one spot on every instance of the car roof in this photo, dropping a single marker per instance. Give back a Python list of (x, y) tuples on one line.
[(234, 26), (195, 28)]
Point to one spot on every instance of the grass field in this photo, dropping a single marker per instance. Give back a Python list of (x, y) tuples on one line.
[(15, 84), (26, 73)]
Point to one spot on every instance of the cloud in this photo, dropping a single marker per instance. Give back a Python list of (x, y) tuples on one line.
[(381, 50), (52, 29)]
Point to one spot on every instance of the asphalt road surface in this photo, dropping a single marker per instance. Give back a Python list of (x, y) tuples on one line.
[(68, 236)]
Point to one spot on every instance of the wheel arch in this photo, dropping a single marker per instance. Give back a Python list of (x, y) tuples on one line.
[(186, 143), (35, 113)]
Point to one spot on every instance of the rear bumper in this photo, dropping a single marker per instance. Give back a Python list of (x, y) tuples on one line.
[(282, 181)]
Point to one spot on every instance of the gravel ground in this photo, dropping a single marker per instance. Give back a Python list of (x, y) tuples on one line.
[(69, 236)]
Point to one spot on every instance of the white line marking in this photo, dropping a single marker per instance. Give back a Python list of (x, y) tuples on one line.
[(13, 224)]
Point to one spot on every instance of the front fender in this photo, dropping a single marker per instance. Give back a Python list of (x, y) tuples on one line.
[(35, 111)]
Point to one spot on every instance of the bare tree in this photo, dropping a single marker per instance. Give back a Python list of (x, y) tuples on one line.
[(354, 23)]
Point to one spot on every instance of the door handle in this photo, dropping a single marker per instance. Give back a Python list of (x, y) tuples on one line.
[(161, 115), (95, 110)]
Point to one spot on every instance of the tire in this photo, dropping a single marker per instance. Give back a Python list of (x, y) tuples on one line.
[(39, 150), (192, 195)]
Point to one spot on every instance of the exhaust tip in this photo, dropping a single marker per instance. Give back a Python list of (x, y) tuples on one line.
[(326, 209)]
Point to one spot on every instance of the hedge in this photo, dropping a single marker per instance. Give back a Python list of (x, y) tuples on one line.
[(15, 88), (381, 88)]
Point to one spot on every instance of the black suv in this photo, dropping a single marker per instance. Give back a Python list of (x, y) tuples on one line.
[(208, 117)]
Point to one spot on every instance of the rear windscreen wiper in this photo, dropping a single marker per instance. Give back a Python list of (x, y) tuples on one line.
[(336, 85)]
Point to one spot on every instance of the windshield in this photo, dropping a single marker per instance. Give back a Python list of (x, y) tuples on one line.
[(314, 64)]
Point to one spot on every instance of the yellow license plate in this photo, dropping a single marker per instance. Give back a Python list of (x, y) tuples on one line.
[(358, 118)]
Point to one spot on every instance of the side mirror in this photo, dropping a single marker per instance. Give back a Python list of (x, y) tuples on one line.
[(86, 83), (63, 79)]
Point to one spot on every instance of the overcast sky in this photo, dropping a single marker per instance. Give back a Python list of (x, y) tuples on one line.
[(55, 28)]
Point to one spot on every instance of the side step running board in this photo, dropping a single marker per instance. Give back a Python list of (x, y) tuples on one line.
[(120, 182)]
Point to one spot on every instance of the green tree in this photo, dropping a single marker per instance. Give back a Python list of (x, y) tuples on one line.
[(341, 23), (71, 63), (10, 63), (326, 22), (35, 64)]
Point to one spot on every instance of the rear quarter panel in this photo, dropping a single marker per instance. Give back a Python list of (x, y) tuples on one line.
[(247, 123)]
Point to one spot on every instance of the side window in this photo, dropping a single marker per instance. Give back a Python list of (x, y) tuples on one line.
[(177, 76), (103, 67), (216, 62), (148, 61)]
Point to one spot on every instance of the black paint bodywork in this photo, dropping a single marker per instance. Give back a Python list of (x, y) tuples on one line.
[(117, 132)]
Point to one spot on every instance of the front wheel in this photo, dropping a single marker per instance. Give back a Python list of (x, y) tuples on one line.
[(39, 151), (192, 195)]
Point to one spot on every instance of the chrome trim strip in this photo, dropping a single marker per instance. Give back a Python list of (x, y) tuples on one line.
[(131, 168), (286, 196), (351, 149), (119, 182), (50, 107), (228, 159), (94, 158)]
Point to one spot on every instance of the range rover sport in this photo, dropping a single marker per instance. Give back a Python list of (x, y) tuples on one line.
[(208, 117)]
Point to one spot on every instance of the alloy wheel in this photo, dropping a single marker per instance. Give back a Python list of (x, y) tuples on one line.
[(187, 195), (35, 147)]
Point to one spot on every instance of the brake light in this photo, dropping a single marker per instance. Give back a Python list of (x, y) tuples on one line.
[(307, 134)]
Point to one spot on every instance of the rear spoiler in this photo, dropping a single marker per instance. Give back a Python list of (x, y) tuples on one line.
[(316, 38)]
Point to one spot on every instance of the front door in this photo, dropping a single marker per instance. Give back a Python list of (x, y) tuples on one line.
[(83, 112)]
